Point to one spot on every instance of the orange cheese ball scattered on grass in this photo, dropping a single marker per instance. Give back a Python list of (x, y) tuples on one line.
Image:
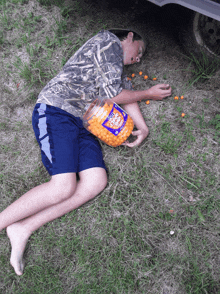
[(182, 97), (183, 114), (129, 79), (176, 97), (145, 77), (140, 73), (147, 102), (96, 128), (154, 79), (133, 75)]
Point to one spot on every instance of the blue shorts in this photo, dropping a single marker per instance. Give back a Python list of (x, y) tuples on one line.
[(66, 146)]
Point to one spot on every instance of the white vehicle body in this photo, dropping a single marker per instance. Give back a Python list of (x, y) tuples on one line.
[(206, 7)]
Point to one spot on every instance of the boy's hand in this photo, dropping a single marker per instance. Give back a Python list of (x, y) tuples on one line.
[(141, 135), (159, 91)]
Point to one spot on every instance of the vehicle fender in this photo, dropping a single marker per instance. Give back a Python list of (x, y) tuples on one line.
[(206, 7)]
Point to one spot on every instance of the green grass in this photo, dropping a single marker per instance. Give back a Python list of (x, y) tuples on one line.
[(119, 242), (201, 69)]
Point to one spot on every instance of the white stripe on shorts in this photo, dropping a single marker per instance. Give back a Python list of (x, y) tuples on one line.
[(42, 125)]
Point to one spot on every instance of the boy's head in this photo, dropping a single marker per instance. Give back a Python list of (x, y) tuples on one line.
[(133, 45)]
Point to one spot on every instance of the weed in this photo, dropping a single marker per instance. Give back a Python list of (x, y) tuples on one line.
[(2, 40), (198, 282), (66, 12), (33, 73), (2, 125), (61, 29), (202, 70), (216, 122), (168, 141)]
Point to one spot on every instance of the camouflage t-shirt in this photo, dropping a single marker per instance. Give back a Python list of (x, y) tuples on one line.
[(96, 69)]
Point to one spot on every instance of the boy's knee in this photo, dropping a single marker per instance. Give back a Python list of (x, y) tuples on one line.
[(99, 187), (63, 187), (97, 183), (104, 183)]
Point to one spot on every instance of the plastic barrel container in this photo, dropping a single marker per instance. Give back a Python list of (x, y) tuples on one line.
[(108, 121)]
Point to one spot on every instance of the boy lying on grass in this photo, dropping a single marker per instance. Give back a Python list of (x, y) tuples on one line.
[(67, 148)]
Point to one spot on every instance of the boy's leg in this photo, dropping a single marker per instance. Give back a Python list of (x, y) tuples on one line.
[(92, 182), (59, 188)]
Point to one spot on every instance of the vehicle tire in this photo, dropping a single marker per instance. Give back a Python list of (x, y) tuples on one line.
[(200, 36)]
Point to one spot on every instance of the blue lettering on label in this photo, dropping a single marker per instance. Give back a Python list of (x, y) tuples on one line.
[(114, 119)]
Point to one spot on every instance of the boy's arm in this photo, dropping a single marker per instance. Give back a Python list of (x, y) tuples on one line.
[(134, 111), (157, 92)]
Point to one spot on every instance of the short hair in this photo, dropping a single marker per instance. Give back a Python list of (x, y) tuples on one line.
[(123, 33)]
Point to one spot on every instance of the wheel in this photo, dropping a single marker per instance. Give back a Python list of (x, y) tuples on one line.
[(201, 35)]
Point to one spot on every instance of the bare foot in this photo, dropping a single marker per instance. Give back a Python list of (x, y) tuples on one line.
[(18, 237)]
